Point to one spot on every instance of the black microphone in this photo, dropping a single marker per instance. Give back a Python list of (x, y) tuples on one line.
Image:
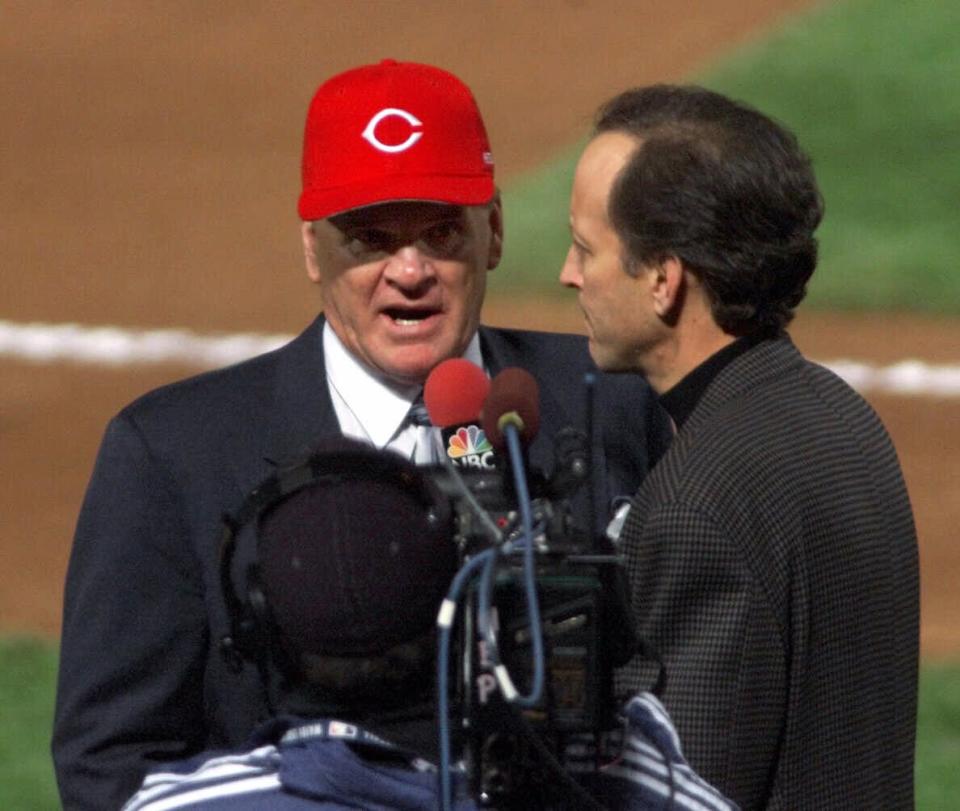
[(572, 463)]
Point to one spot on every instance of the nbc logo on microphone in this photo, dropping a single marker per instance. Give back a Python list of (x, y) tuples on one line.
[(469, 447)]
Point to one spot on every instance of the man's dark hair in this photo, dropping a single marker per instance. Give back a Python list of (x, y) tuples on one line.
[(724, 189)]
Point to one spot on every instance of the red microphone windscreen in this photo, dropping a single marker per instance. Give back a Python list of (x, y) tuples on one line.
[(513, 390), (454, 392)]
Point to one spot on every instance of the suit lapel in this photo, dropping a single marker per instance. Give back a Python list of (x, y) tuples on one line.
[(296, 410), (745, 374), (769, 359), (293, 411), (498, 355)]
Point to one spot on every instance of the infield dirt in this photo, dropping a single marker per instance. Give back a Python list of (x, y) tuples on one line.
[(150, 162)]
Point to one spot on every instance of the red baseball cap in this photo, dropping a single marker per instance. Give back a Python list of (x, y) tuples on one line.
[(393, 131)]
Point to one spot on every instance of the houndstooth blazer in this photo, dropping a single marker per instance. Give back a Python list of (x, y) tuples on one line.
[(773, 565)]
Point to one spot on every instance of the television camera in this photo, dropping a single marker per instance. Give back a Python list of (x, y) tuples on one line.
[(542, 603), (535, 618)]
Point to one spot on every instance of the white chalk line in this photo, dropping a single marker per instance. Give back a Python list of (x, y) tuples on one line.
[(114, 346)]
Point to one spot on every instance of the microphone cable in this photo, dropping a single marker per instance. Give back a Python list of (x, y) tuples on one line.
[(526, 543), (486, 561)]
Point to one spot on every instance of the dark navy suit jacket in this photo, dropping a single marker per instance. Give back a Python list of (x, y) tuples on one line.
[(141, 677)]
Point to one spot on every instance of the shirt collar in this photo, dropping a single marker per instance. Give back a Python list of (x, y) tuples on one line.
[(682, 399), (377, 405)]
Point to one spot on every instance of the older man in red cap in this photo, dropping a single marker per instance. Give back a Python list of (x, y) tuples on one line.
[(401, 222)]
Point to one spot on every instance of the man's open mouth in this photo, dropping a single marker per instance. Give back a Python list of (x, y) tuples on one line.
[(408, 318)]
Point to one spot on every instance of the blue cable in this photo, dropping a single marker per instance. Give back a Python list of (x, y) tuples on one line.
[(488, 559), (485, 596), (445, 624), (529, 569)]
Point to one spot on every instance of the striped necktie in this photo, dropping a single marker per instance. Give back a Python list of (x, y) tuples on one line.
[(417, 415), (425, 450)]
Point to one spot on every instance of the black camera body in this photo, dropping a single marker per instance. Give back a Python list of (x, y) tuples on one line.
[(516, 756), (512, 754)]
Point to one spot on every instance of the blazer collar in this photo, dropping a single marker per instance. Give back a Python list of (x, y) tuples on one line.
[(293, 415), (770, 358), (296, 412), (499, 354)]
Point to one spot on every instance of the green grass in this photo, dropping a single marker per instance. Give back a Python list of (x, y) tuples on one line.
[(27, 675), (938, 737), (870, 88), (27, 681)]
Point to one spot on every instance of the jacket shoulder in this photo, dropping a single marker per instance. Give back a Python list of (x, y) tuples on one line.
[(195, 394), (551, 347), (232, 389)]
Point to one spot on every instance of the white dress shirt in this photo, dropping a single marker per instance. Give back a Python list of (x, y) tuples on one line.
[(373, 410)]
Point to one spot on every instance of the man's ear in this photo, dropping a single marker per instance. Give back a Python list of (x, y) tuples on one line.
[(310, 251), (667, 286), (496, 232)]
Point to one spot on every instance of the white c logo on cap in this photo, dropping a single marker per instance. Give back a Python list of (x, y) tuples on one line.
[(370, 132)]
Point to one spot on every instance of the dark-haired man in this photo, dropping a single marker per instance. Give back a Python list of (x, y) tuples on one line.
[(772, 551), (401, 222)]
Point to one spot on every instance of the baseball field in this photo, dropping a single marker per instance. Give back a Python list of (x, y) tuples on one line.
[(150, 159)]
